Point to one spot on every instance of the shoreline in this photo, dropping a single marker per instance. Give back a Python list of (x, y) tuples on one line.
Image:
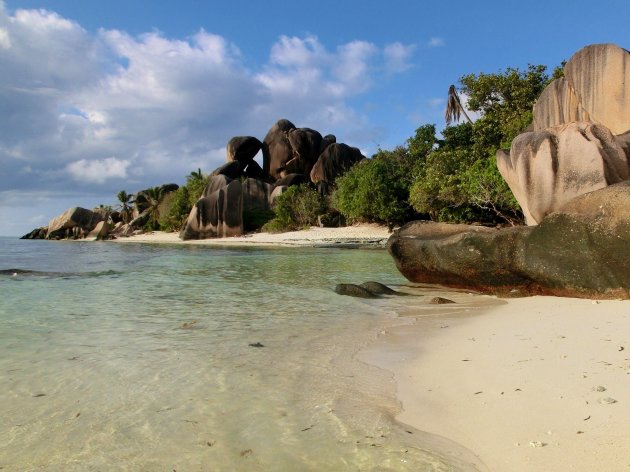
[(359, 236), (518, 382)]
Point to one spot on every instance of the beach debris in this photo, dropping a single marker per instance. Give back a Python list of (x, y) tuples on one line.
[(621, 348), (580, 432), (39, 395), (210, 443), (537, 444), (256, 345), (77, 415), (439, 301), (477, 393), (587, 418), (246, 452), (607, 401), (189, 324), (353, 290), (74, 358), (306, 429), (465, 360), (599, 388)]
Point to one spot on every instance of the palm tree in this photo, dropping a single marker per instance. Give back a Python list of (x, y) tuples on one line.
[(125, 209), (152, 199), (454, 107), (195, 175)]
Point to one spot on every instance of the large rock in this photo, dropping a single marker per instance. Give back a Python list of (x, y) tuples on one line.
[(82, 219), (100, 231), (217, 215), (336, 159), (595, 87), (243, 148), (276, 147), (232, 169), (305, 145), (582, 250), (256, 195), (546, 169)]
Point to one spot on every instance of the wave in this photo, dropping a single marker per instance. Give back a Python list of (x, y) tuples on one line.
[(22, 273)]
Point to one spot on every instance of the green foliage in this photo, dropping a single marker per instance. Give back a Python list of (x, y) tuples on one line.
[(256, 218), (178, 204), (298, 207), (459, 180), (377, 189)]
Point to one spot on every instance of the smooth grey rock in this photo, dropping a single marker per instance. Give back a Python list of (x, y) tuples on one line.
[(353, 290)]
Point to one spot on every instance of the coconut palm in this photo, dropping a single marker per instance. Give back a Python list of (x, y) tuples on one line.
[(454, 107), (152, 199), (195, 175), (125, 209)]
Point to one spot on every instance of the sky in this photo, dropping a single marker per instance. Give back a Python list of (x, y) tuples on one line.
[(102, 96)]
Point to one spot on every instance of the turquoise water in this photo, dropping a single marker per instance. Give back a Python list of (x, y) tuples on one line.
[(139, 357)]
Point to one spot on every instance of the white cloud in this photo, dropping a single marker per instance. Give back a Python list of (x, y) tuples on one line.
[(436, 42), (98, 171), (397, 57), (5, 40), (163, 106)]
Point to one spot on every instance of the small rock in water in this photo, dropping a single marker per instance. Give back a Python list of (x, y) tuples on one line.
[(607, 401), (256, 344), (188, 324), (378, 288), (353, 290), (599, 388), (440, 301)]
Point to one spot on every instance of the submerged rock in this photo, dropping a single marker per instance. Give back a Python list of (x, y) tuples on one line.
[(378, 288), (440, 301), (353, 290)]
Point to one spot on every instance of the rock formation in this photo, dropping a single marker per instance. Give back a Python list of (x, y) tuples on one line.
[(580, 140), (546, 169), (581, 250), (74, 223), (291, 156)]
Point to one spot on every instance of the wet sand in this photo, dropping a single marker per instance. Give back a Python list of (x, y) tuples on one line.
[(358, 235)]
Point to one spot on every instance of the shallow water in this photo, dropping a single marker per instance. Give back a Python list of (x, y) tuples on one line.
[(140, 357)]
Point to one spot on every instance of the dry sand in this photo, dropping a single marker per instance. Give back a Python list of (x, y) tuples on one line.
[(362, 235), (537, 384)]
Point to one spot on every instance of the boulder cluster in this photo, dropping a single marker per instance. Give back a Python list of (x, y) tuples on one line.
[(580, 138), (570, 174), (100, 223), (241, 186)]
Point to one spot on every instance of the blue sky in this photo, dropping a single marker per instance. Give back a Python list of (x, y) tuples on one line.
[(96, 97)]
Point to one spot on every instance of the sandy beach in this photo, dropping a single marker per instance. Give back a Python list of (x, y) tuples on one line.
[(529, 384), (358, 235)]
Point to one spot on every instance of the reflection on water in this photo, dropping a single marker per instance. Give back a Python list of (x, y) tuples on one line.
[(141, 358)]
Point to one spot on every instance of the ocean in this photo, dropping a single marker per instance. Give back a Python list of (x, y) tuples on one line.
[(138, 357)]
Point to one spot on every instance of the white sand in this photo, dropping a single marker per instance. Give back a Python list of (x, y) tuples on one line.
[(517, 384), (365, 234)]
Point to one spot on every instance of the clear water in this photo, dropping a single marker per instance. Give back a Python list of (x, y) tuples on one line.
[(138, 357)]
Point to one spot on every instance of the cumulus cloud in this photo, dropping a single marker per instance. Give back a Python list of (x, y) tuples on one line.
[(70, 100), (436, 42), (397, 56), (98, 171)]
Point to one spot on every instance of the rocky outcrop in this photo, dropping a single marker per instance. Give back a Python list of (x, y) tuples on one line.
[(581, 134), (580, 250), (243, 149), (219, 214), (75, 222), (594, 88), (276, 147), (291, 156), (546, 169), (334, 161)]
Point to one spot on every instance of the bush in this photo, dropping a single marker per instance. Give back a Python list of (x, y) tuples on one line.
[(377, 190), (177, 205), (298, 207)]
